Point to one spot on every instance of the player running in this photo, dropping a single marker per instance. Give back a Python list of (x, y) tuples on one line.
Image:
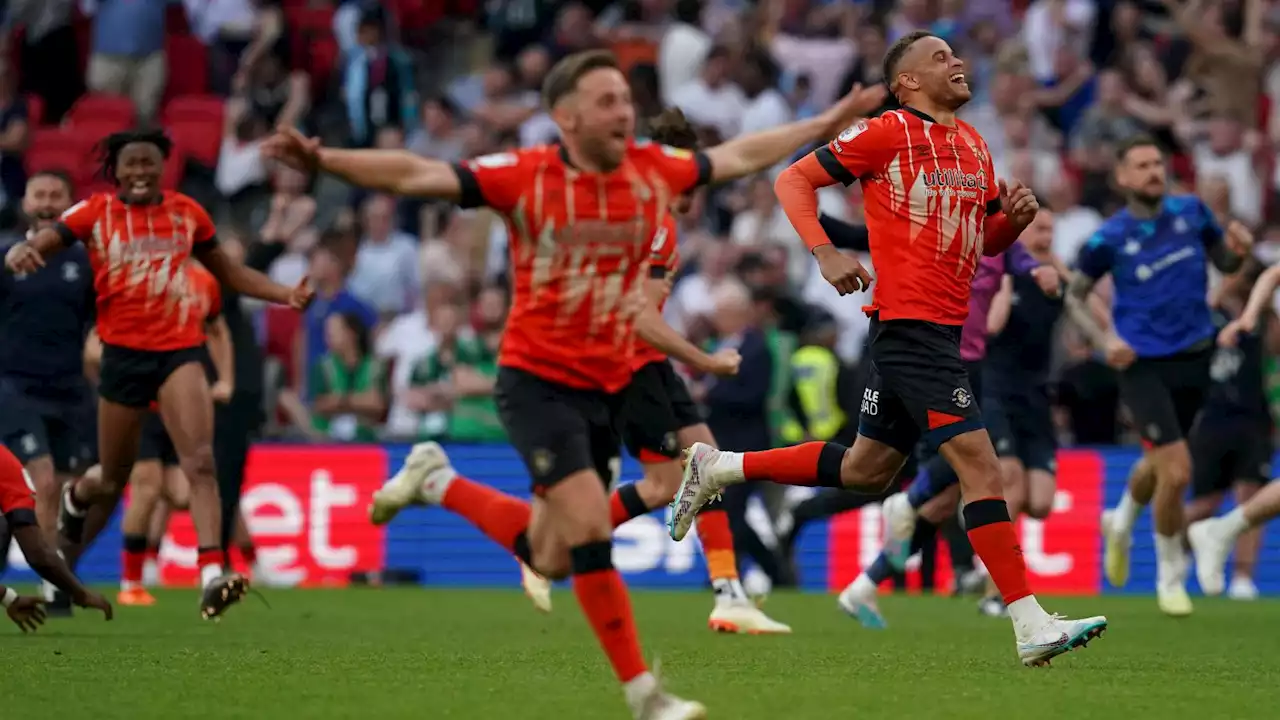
[(582, 216), (934, 493), (44, 398), (1157, 251), (1237, 405), (157, 474), (661, 418), (139, 240), (934, 208), (17, 505)]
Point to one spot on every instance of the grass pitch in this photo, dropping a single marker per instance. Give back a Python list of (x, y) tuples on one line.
[(425, 654)]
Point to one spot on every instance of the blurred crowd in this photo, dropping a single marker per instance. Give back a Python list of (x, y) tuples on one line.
[(413, 295)]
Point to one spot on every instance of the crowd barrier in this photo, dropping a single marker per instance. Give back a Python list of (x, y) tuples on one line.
[(306, 507)]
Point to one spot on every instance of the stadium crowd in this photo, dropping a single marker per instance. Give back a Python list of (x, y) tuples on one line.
[(412, 296)]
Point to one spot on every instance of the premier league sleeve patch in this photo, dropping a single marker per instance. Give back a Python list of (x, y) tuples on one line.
[(852, 132)]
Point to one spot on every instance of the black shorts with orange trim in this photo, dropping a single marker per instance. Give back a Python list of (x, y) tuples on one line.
[(559, 430), (918, 387), (658, 408), (133, 377)]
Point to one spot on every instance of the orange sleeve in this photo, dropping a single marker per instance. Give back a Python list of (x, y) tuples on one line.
[(77, 222), (797, 191), (495, 181), (863, 149), (683, 169)]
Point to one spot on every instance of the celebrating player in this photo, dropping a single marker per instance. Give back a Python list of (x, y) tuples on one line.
[(1237, 409), (661, 418), (139, 241), (1156, 251), (44, 399), (582, 216), (934, 208), (17, 505), (934, 493), (157, 475)]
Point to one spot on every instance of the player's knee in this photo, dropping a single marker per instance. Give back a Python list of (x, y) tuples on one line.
[(1037, 509), (553, 565), (1173, 469), (870, 472), (199, 465)]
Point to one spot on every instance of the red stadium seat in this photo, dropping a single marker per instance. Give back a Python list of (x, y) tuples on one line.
[(199, 140), (321, 63), (98, 108), (56, 138), (186, 108), (35, 110), (188, 60), (62, 159), (174, 168)]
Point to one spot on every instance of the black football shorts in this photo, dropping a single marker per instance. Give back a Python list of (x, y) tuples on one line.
[(658, 407), (1020, 421), (1164, 395), (918, 387), (559, 430), (1226, 453)]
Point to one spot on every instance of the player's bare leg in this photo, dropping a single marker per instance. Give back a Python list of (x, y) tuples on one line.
[(49, 485), (119, 432), (1248, 545), (1171, 468), (156, 529), (187, 410), (1212, 539), (734, 612), (146, 486), (858, 599), (565, 532), (1117, 524), (870, 465)]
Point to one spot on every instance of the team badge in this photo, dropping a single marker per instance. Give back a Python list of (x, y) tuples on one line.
[(852, 132), (961, 398), (542, 461)]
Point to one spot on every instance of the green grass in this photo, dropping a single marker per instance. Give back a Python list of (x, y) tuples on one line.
[(425, 654)]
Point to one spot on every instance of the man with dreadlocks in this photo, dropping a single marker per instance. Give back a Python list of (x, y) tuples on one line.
[(139, 240)]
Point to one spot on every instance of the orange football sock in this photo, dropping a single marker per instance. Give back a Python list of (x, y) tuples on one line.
[(717, 542), (499, 516), (995, 541), (604, 600), (813, 464)]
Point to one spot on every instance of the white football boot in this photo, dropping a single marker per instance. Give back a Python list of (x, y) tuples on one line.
[(899, 525), (648, 701), (707, 471), (1115, 554), (422, 480), (1211, 545), (1059, 635)]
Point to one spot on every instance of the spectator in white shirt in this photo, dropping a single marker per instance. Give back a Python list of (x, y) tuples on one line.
[(386, 271), (682, 50), (1222, 151), (712, 99), (1073, 223), (766, 107), (1048, 25)]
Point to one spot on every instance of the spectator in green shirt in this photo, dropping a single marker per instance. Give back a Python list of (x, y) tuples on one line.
[(457, 378), (348, 385)]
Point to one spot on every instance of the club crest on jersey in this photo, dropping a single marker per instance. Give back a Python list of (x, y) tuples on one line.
[(961, 398), (70, 272)]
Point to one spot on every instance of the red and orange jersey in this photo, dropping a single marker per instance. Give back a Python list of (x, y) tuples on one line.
[(929, 189), (140, 258), (17, 493), (580, 246)]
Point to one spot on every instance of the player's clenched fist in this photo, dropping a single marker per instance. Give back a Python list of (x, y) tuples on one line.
[(725, 362), (1239, 238), (1019, 203), (292, 148), (843, 272), (1118, 353)]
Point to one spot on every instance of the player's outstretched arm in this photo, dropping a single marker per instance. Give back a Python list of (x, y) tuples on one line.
[(399, 172), (48, 564), (250, 282), (29, 255), (749, 154), (653, 328)]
